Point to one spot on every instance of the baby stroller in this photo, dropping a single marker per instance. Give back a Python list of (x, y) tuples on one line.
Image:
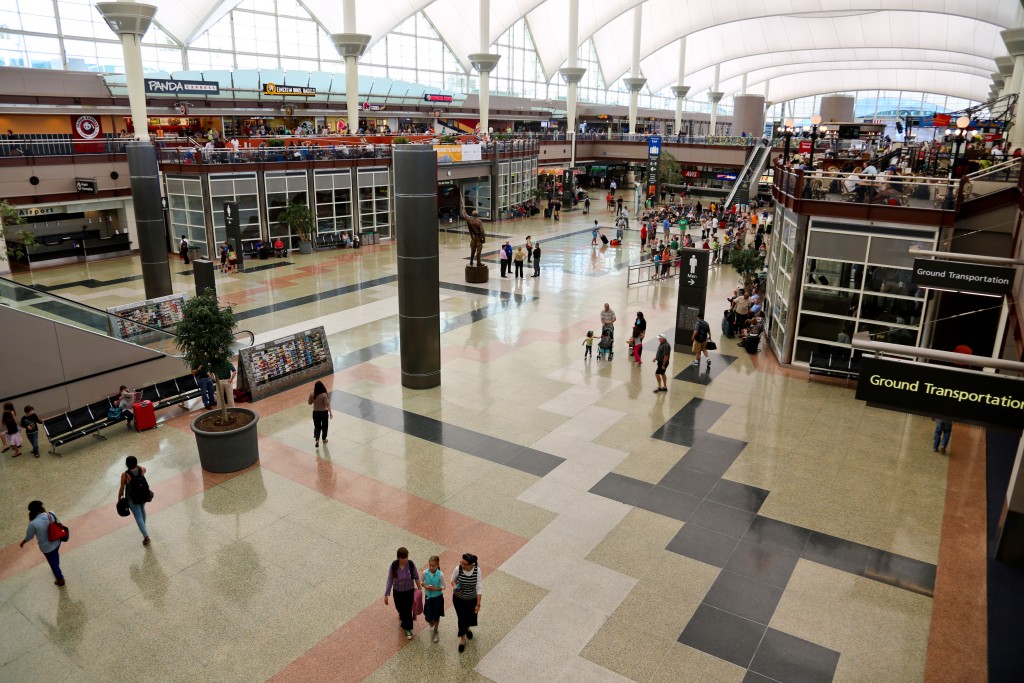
[(604, 347)]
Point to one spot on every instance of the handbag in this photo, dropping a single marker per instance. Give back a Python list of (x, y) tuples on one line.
[(122, 507), (114, 413), (712, 346), (417, 603), (57, 531)]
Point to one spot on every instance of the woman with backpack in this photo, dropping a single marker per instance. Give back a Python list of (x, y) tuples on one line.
[(133, 479), (402, 580)]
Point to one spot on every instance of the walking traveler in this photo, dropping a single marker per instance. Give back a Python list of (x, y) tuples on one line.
[(39, 521), (322, 413), (467, 596), (402, 580), (134, 484)]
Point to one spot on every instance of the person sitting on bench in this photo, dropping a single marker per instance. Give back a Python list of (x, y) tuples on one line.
[(279, 249)]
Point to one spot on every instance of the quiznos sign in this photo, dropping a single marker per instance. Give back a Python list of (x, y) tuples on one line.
[(938, 391)]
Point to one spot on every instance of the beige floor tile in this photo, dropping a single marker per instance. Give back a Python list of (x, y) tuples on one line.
[(625, 648), (683, 663)]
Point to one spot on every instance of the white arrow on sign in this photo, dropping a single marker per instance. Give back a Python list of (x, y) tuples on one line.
[(691, 281)]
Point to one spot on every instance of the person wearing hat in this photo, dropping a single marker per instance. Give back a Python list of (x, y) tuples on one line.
[(661, 358)]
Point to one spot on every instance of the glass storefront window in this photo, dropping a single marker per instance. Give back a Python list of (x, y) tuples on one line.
[(830, 301), (333, 202), (891, 281), (835, 273)]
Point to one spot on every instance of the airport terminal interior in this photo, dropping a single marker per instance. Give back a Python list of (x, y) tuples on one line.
[(787, 508)]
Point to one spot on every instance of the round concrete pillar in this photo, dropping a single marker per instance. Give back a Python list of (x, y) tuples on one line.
[(836, 108), (748, 115)]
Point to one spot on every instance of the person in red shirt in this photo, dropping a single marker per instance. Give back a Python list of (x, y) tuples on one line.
[(279, 249), (643, 236)]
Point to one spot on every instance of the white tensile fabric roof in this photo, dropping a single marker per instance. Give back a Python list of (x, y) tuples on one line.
[(801, 46)]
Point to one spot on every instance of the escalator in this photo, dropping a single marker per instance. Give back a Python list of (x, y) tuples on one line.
[(69, 352), (745, 187)]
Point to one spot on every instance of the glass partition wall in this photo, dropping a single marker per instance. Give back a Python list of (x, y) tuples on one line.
[(241, 188), (848, 278)]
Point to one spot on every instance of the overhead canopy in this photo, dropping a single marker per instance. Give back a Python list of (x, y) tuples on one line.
[(801, 46)]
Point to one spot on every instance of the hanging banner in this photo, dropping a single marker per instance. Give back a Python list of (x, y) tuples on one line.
[(450, 154), (653, 158), (86, 134)]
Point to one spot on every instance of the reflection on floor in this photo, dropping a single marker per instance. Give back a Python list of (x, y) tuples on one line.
[(744, 526)]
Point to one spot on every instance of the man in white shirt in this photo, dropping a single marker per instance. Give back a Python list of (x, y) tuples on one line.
[(850, 184)]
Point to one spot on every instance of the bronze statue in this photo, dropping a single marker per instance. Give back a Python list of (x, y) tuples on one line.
[(476, 233)]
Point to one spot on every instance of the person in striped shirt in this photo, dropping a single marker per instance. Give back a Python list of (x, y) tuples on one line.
[(467, 596)]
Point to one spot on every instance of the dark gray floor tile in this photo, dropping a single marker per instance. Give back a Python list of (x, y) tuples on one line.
[(674, 504), (723, 635), (682, 436), (421, 427), (459, 438), (837, 553), (699, 414), (534, 462), (752, 677), (788, 658), (709, 463), (689, 481), (904, 572), (623, 489), (497, 450), (744, 596), (763, 562), (738, 495), (702, 545), (722, 518), (720, 445), (719, 364), (788, 537)]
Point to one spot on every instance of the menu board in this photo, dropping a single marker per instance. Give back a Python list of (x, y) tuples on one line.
[(284, 363), (138, 322)]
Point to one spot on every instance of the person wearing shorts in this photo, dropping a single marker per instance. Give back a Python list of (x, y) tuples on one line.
[(661, 358), (701, 335)]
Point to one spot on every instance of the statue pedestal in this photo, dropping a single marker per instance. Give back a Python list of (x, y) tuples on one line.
[(477, 274)]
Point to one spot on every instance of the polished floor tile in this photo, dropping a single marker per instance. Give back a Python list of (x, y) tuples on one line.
[(784, 657), (724, 635), (749, 598), (703, 545)]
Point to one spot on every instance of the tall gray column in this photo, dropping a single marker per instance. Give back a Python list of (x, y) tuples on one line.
[(419, 308), (130, 21), (836, 108), (748, 115)]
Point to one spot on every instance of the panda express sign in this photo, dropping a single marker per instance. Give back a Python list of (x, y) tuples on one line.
[(938, 391), (170, 86)]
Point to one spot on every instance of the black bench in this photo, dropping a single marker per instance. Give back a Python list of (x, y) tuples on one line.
[(91, 419), (833, 365)]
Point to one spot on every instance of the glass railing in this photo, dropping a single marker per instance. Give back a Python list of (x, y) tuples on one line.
[(57, 308), (920, 192), (989, 180), (273, 154)]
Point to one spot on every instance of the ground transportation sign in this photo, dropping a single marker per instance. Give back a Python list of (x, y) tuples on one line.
[(963, 277)]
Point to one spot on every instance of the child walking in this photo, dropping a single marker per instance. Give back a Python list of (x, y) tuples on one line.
[(433, 592), (30, 422), (588, 352), (10, 420)]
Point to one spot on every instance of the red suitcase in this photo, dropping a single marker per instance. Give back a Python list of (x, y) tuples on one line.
[(145, 415)]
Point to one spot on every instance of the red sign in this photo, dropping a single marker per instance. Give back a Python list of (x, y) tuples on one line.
[(805, 146), (942, 120), (86, 129), (432, 97), (689, 174)]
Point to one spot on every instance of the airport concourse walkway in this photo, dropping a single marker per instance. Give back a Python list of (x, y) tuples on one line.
[(746, 525)]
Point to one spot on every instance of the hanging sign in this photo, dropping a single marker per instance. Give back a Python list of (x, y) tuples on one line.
[(272, 89), (653, 157), (170, 86), (963, 277)]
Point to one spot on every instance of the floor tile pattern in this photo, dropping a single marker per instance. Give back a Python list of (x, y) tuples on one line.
[(757, 554)]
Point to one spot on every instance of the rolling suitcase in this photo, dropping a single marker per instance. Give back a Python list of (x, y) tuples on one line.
[(727, 325), (604, 239), (145, 415)]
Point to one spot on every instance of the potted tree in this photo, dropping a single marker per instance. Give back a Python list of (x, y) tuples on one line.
[(17, 250), (746, 262), (299, 220), (227, 438)]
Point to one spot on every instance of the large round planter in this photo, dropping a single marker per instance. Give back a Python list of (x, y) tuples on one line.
[(228, 451), (305, 247)]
